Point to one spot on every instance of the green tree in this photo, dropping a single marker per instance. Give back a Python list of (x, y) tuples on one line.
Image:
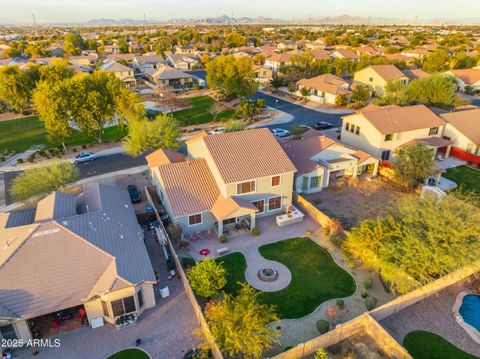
[(57, 71), (123, 46), (276, 82), (13, 88), (207, 278), (231, 77), (239, 324), (395, 94), (234, 126), (305, 92), (43, 180), (436, 90), (73, 44), (413, 164), (341, 100), (419, 242), (360, 94), (437, 61), (15, 50), (248, 109), (234, 39), (143, 135), (292, 88)]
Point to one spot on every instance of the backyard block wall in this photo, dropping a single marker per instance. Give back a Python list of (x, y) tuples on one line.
[(308, 208), (363, 324)]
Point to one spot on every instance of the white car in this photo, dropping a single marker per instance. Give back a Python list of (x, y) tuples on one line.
[(84, 157), (217, 131), (280, 132)]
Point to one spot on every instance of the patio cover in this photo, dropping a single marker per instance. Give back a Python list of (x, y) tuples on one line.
[(224, 208)]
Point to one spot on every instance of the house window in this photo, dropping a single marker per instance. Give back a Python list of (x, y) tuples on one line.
[(140, 298), (388, 137), (304, 183), (8, 332), (123, 306), (385, 155), (274, 203), (447, 138), (246, 187), (260, 205), (357, 130), (315, 182), (352, 128), (275, 181), (433, 131), (347, 126), (194, 219), (105, 309)]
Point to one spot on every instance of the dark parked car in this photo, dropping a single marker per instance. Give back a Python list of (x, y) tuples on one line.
[(323, 125), (134, 193)]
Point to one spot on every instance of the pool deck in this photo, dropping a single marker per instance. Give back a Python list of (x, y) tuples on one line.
[(434, 314)]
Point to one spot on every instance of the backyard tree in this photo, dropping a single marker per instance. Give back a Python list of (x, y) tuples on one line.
[(239, 324), (13, 88), (43, 180), (420, 241), (161, 133), (216, 109), (231, 77), (276, 82), (207, 277), (234, 126), (395, 94), (413, 164), (360, 94), (57, 71), (437, 61), (436, 90), (73, 44)]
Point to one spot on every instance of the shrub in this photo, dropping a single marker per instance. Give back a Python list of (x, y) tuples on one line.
[(223, 239), (19, 160), (321, 354), (287, 348), (323, 326), (74, 150), (340, 303), (326, 230), (335, 226), (207, 277), (370, 302), (256, 231), (364, 293), (188, 262), (30, 159), (84, 146), (367, 283), (308, 232), (2, 159), (337, 239)]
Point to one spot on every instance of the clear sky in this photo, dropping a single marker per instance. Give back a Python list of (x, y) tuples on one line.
[(80, 10)]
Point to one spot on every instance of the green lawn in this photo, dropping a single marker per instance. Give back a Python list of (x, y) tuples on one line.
[(466, 177), (130, 354), (198, 114), (426, 345), (316, 278), (18, 135)]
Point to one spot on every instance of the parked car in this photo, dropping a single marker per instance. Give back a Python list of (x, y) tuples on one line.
[(134, 193), (84, 157), (280, 132), (323, 125), (217, 131)]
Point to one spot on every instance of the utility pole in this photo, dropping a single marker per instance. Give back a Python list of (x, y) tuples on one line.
[(35, 23)]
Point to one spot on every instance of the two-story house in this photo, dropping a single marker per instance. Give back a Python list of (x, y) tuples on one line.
[(223, 180), (379, 131), (320, 160), (376, 77)]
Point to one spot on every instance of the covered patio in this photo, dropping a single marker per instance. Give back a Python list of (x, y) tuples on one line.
[(233, 213)]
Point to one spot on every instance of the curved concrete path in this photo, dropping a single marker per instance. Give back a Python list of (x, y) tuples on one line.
[(255, 262)]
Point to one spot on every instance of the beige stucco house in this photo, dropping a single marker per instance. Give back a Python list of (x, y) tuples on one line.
[(325, 88), (376, 78), (466, 77), (320, 160), (463, 129), (124, 73), (379, 131), (224, 179), (70, 253)]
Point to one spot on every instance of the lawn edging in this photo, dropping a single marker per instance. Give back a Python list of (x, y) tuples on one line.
[(113, 355)]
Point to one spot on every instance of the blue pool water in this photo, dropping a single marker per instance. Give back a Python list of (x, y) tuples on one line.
[(470, 310)]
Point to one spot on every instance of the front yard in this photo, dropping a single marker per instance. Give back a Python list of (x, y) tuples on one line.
[(198, 113), (465, 177), (353, 204), (316, 278)]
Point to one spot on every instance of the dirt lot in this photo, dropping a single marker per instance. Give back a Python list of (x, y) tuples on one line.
[(351, 205)]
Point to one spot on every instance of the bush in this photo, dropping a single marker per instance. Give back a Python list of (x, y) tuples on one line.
[(188, 262), (207, 277), (2, 159), (19, 160), (364, 293), (370, 303), (223, 239), (367, 283), (326, 230), (84, 146), (308, 232), (340, 303), (30, 159), (74, 150), (321, 354), (323, 326), (337, 239), (256, 231), (287, 348)]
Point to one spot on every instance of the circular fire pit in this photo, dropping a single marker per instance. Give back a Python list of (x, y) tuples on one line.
[(204, 252), (267, 274)]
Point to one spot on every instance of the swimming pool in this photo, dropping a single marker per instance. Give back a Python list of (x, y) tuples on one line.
[(470, 310)]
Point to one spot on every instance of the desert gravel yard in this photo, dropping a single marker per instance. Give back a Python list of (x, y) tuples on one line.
[(352, 204)]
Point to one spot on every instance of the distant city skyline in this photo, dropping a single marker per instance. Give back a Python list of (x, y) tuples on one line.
[(47, 11)]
